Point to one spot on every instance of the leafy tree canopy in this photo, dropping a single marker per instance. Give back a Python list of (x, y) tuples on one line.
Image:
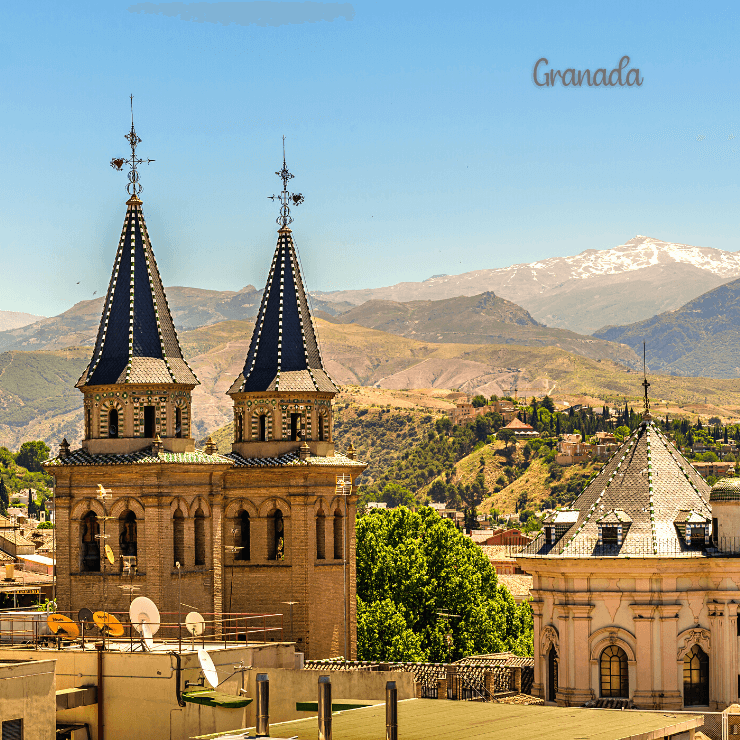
[(396, 495), (32, 454), (413, 570), (479, 401), (549, 404)]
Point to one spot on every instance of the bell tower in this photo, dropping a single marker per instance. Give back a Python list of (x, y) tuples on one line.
[(282, 398), (137, 386)]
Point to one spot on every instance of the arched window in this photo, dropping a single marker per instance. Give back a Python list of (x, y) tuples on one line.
[(322, 427), (263, 428), (88, 423), (113, 424), (200, 537), (242, 539), (696, 678), (90, 545), (614, 676), (338, 536), (320, 536), (239, 427), (552, 674), (127, 538), (178, 421), (276, 536), (178, 538)]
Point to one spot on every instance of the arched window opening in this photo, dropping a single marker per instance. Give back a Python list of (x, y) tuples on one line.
[(263, 428), (295, 427), (200, 537), (276, 537), (88, 423), (322, 428), (113, 424), (243, 534), (149, 422), (614, 675), (178, 421), (178, 538), (696, 678), (127, 538), (320, 536), (552, 674), (239, 428), (338, 535), (90, 550)]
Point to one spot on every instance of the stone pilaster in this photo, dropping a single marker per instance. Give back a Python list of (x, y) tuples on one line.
[(643, 616), (670, 696)]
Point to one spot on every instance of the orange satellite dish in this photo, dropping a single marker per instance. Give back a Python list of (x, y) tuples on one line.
[(108, 624), (59, 623), (109, 554)]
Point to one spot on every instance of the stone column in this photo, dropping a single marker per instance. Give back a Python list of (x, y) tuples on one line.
[(540, 669), (717, 654), (730, 656), (581, 666), (566, 677), (644, 694), (670, 686)]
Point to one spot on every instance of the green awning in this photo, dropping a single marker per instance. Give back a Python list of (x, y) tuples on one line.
[(216, 699), (340, 705)]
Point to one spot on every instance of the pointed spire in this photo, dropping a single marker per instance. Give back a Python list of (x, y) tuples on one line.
[(136, 341), (284, 353)]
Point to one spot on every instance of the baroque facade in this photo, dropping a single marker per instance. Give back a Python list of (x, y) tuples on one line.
[(266, 528), (636, 586)]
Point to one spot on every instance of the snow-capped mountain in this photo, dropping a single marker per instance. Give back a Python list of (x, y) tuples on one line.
[(628, 283)]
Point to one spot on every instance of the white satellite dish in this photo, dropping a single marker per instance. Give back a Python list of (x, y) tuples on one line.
[(143, 610), (209, 670), (195, 624), (146, 636)]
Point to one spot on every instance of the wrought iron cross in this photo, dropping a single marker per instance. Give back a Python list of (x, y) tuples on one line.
[(134, 186), (285, 197)]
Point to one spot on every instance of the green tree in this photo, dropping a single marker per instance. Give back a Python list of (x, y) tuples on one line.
[(4, 498), (422, 565), (479, 401), (621, 432), (549, 404), (506, 436), (438, 491), (395, 494), (32, 454)]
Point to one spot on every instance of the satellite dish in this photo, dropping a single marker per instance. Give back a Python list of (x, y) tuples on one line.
[(146, 636), (108, 624), (144, 610), (209, 670), (109, 554), (84, 616), (59, 623), (195, 624)]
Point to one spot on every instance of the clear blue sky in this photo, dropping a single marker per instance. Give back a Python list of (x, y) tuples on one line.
[(414, 131)]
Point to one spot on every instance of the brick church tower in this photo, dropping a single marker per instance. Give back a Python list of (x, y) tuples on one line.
[(266, 528)]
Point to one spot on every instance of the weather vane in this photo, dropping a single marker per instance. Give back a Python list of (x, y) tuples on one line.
[(134, 186), (285, 197), (645, 383)]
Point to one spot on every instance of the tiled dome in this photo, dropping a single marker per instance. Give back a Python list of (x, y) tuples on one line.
[(727, 489)]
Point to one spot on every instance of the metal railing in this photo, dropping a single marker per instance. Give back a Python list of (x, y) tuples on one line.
[(631, 546), (31, 628)]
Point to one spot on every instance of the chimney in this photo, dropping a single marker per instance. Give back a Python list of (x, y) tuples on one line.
[(63, 449), (263, 705), (351, 451), (157, 446), (210, 447), (9, 571), (304, 451), (325, 708)]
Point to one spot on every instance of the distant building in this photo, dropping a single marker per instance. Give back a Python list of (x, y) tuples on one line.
[(377, 505), (521, 430), (717, 469), (465, 411)]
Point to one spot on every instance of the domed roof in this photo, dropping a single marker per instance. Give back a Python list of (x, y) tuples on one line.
[(726, 489)]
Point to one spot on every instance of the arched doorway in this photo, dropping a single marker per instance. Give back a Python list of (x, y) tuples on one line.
[(695, 678), (552, 674), (614, 674)]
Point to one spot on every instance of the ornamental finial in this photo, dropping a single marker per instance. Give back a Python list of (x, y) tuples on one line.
[(285, 197), (646, 412), (134, 186)]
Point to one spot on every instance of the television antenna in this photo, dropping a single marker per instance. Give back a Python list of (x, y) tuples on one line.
[(84, 617)]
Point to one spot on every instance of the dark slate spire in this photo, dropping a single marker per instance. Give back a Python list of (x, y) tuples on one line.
[(136, 342), (284, 353)]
